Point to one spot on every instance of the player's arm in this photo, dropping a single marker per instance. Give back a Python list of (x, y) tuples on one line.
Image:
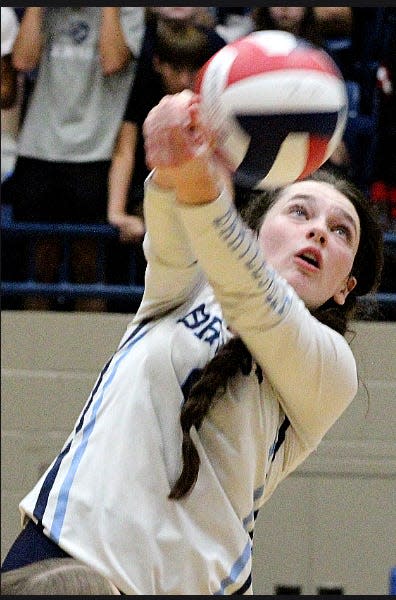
[(309, 364), (172, 275), (8, 82), (260, 306)]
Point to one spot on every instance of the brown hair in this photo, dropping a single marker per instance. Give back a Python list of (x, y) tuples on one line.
[(234, 357), (55, 577), (309, 27), (182, 45)]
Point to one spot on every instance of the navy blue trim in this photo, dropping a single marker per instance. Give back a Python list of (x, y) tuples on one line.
[(43, 496), (244, 587), (189, 382), (281, 436)]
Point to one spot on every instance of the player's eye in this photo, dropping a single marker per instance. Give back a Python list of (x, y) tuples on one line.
[(343, 230), (298, 209)]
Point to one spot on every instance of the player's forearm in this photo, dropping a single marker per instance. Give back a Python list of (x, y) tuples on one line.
[(30, 39), (196, 182), (173, 273)]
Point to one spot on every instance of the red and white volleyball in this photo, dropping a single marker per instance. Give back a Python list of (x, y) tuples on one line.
[(279, 105)]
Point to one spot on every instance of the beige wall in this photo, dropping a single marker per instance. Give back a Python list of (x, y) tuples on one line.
[(332, 522)]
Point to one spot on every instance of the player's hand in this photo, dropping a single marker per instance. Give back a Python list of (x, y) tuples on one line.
[(181, 147), (175, 132)]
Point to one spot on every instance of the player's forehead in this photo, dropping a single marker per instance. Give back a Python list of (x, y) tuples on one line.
[(321, 195), (315, 190)]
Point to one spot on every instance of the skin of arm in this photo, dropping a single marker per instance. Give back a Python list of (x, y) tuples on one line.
[(28, 45), (8, 82), (122, 164), (113, 49), (199, 176)]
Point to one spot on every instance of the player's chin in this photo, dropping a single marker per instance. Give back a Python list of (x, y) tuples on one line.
[(306, 288)]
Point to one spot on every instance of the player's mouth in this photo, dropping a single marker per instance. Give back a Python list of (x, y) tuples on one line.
[(310, 259)]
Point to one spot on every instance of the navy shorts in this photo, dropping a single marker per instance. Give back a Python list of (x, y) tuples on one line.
[(57, 192), (31, 546)]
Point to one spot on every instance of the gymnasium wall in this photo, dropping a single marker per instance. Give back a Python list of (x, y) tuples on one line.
[(331, 523)]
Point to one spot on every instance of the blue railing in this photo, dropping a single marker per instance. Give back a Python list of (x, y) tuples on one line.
[(65, 288), (131, 290)]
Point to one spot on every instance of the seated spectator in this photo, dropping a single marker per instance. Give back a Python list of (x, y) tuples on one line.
[(85, 58), (176, 16), (56, 577)]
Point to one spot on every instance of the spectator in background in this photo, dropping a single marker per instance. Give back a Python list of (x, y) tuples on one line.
[(383, 189), (298, 20), (11, 102), (201, 16), (179, 51), (86, 62), (334, 21), (176, 44), (233, 22), (9, 31), (9, 90)]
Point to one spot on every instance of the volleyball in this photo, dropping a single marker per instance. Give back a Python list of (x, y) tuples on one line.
[(278, 104)]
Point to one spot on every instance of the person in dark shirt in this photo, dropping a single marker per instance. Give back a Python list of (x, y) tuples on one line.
[(172, 53)]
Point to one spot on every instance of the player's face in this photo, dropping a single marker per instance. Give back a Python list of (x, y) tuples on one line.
[(311, 236)]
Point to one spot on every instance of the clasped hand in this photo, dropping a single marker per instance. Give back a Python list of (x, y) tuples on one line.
[(181, 147)]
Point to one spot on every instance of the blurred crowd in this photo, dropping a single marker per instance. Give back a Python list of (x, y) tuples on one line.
[(78, 82)]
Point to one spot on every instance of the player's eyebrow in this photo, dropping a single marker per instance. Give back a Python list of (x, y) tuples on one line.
[(337, 209)]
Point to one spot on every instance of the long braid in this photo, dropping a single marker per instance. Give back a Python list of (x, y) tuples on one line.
[(231, 358)]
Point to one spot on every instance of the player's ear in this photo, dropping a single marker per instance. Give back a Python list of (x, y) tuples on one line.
[(340, 296)]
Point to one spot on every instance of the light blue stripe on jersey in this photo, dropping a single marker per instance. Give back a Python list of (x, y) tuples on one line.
[(63, 496), (236, 570)]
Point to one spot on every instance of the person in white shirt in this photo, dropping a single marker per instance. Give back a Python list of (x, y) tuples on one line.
[(207, 404)]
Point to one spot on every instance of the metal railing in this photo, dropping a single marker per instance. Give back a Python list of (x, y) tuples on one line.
[(130, 291), (64, 287)]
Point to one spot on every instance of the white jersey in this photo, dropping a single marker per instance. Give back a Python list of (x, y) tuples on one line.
[(104, 499)]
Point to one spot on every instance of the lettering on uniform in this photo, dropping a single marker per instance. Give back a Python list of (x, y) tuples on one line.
[(206, 327)]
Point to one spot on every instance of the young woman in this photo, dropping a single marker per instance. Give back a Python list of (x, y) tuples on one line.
[(207, 404)]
